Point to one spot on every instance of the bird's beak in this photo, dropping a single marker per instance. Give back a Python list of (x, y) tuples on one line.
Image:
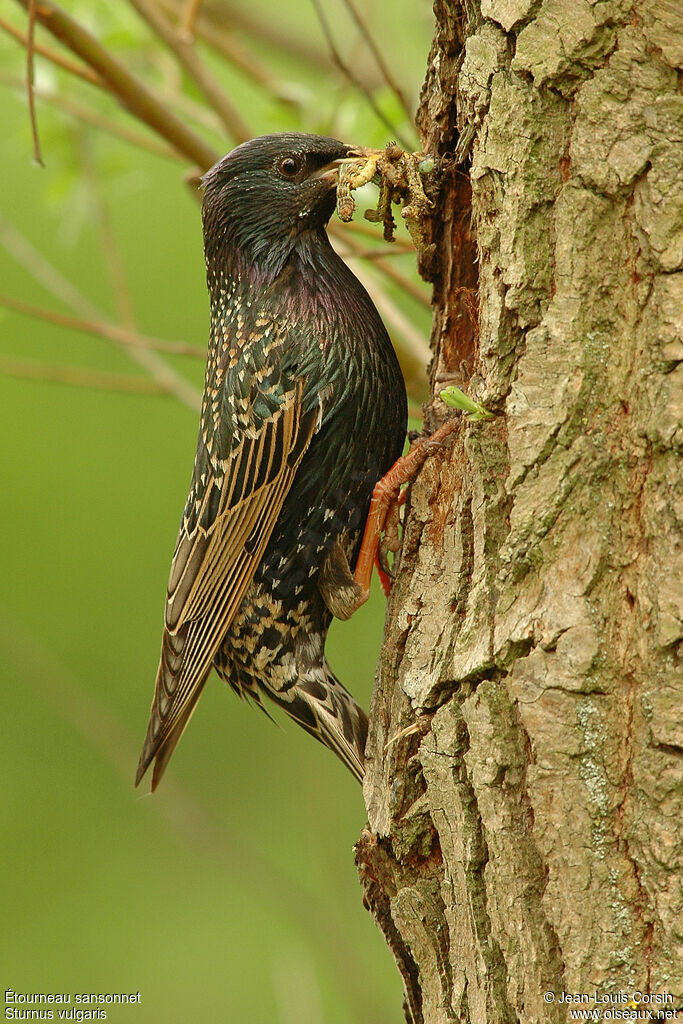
[(330, 172)]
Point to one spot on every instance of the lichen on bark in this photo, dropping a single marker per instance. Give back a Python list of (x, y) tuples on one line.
[(525, 836)]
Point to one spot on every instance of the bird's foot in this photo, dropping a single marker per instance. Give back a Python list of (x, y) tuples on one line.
[(390, 542), (386, 493)]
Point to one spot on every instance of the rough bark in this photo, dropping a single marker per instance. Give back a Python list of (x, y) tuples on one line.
[(524, 837)]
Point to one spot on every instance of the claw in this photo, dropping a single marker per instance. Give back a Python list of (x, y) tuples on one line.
[(386, 491)]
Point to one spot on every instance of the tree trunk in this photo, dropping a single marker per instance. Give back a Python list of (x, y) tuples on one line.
[(523, 836)]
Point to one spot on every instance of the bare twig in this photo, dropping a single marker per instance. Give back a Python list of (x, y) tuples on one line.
[(197, 112), (195, 67), (238, 55), (52, 55), (37, 155), (405, 284), (381, 63), (80, 377), (49, 277), (375, 255), (84, 113), (155, 365), (103, 329), (211, 29), (43, 272), (167, 377), (189, 18), (127, 89), (108, 241), (218, 20), (351, 77)]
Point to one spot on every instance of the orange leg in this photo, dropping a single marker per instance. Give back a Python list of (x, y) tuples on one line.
[(386, 490), (383, 577)]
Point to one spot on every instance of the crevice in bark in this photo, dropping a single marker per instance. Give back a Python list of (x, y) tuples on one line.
[(543, 871), (668, 748), (453, 271), (459, 602), (455, 328)]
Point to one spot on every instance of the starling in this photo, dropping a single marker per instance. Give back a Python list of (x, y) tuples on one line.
[(304, 410)]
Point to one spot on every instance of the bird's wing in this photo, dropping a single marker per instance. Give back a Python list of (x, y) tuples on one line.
[(227, 524)]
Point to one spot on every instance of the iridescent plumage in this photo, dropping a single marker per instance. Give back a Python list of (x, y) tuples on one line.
[(304, 409)]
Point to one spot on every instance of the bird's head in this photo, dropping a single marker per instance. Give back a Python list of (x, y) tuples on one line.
[(265, 197)]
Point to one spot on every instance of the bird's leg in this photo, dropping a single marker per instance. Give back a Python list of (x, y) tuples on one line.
[(389, 541), (385, 492)]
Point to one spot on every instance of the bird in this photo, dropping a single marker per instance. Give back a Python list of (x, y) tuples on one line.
[(304, 409)]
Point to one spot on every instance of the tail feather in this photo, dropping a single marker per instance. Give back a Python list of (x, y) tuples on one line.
[(160, 749), (326, 710), (172, 706)]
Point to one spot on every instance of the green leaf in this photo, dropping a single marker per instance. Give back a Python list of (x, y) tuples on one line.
[(458, 400)]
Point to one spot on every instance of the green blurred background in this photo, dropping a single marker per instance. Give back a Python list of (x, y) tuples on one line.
[(231, 894)]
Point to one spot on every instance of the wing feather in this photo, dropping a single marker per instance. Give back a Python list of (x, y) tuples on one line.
[(213, 565)]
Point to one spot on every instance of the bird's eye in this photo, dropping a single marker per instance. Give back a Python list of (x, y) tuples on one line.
[(290, 167)]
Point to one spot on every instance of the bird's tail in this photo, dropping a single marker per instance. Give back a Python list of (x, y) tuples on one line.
[(324, 708)]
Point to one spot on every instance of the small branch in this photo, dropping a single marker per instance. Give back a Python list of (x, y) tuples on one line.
[(217, 24), (376, 255), (189, 18), (74, 375), (210, 28), (404, 283), (351, 77), (43, 272), (195, 68), (83, 113), (103, 329), (37, 155), (108, 242), (128, 90), (228, 47), (155, 365), (198, 112), (218, 20), (49, 277), (52, 55), (381, 64)]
